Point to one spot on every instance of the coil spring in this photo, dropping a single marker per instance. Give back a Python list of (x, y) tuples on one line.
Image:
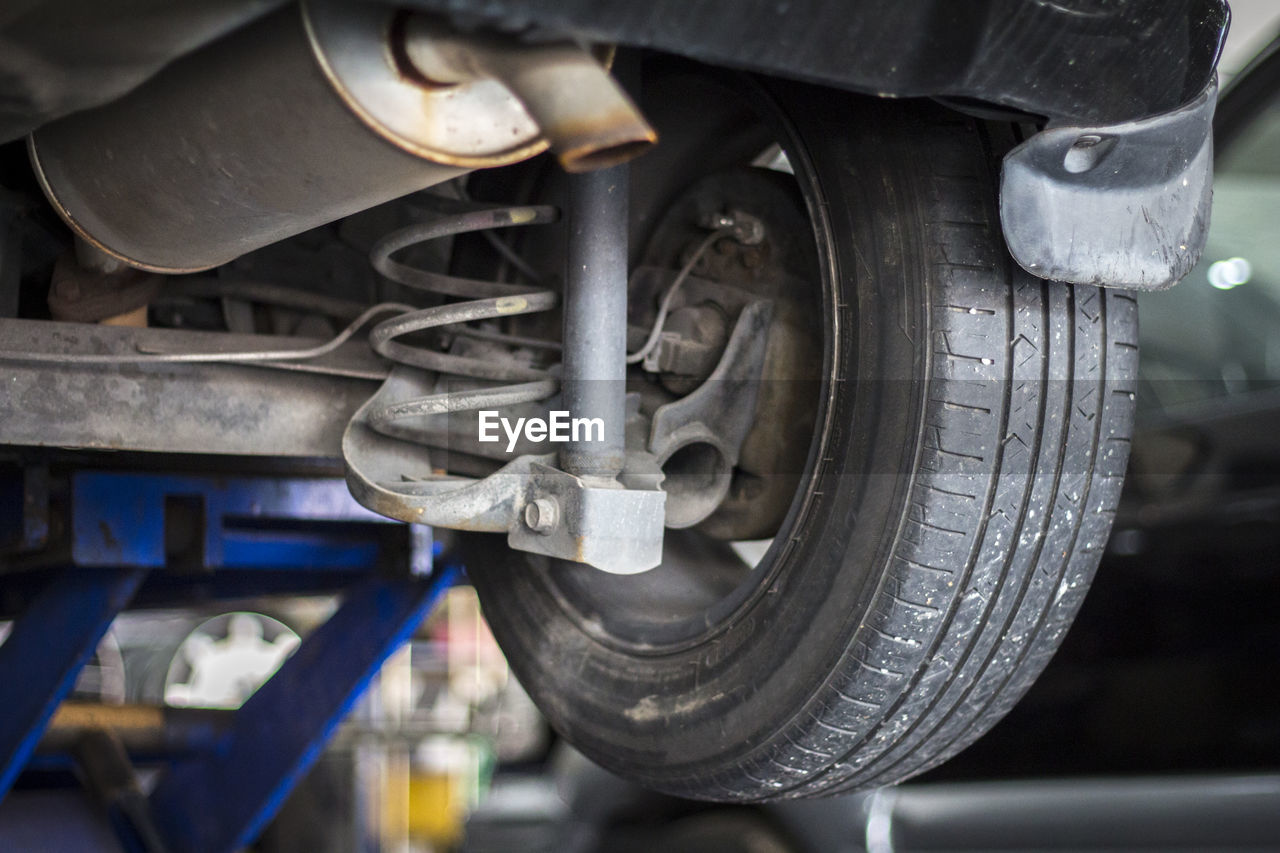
[(496, 300)]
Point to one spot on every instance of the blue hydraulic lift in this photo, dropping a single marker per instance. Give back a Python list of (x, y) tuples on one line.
[(81, 546)]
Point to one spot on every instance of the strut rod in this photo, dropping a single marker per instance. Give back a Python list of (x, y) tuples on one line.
[(595, 320)]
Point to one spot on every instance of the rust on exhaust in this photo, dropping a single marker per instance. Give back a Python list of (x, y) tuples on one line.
[(580, 109)]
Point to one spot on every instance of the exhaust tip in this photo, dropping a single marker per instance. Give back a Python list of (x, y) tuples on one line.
[(587, 157), (583, 113)]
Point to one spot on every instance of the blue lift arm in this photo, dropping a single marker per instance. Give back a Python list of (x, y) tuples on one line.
[(220, 802), (220, 798), (50, 643)]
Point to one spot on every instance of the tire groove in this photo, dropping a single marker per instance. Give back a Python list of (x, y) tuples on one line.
[(1038, 548), (1000, 694), (1033, 469), (903, 696)]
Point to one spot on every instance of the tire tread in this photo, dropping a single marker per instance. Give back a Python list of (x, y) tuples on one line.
[(964, 624)]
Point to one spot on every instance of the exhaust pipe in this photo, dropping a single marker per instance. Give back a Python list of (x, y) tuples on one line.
[(583, 112), (307, 116)]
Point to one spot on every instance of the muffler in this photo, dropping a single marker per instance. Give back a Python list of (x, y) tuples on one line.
[(312, 114)]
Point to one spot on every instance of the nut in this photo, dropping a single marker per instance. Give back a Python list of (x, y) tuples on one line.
[(541, 515)]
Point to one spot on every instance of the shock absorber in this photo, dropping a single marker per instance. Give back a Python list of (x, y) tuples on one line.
[(595, 319), (593, 502)]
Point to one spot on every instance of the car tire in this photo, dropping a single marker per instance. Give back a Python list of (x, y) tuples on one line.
[(960, 487)]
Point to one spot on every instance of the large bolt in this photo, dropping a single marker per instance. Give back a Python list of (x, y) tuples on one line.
[(541, 515)]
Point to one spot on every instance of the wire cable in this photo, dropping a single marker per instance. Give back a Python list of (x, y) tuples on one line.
[(240, 356), (664, 306)]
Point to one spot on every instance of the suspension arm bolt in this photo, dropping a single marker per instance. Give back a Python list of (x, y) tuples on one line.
[(542, 515)]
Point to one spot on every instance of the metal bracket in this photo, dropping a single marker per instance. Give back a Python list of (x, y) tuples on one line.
[(496, 503), (610, 527), (1123, 205)]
